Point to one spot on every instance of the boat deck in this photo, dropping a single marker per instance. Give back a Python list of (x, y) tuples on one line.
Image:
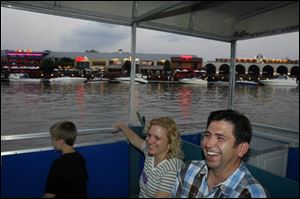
[(113, 167)]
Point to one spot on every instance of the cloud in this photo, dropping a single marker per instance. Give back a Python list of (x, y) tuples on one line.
[(277, 46), (94, 35), (23, 29), (169, 37), (149, 41)]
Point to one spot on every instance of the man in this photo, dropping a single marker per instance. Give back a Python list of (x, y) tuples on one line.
[(222, 174)]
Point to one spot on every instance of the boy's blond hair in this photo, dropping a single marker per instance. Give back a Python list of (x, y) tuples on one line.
[(65, 130)]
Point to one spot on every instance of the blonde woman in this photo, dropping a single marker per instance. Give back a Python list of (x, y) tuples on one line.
[(163, 156)]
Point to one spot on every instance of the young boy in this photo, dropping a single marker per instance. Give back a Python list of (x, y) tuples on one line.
[(68, 175)]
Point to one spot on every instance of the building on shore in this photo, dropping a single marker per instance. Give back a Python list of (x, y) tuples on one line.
[(147, 64), (154, 66), (253, 68)]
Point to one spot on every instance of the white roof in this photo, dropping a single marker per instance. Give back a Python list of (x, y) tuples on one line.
[(217, 20)]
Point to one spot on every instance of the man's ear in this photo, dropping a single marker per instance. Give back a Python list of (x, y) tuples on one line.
[(243, 149)]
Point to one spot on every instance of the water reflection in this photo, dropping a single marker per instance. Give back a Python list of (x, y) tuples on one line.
[(27, 108), (185, 100), (276, 105), (80, 100)]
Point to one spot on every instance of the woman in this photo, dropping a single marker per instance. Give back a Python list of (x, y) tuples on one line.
[(163, 156)]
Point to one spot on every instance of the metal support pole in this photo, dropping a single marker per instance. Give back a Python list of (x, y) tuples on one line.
[(232, 73), (132, 76)]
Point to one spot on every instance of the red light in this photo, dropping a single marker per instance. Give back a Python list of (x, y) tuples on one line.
[(24, 54), (186, 57), (80, 59)]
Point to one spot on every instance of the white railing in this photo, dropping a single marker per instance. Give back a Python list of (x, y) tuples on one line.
[(11, 143)]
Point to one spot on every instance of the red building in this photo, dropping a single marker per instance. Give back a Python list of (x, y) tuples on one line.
[(22, 58), (185, 66)]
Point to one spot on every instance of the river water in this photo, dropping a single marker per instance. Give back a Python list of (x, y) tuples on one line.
[(32, 108)]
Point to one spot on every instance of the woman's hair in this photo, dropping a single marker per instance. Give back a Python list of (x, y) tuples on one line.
[(173, 135), (65, 130)]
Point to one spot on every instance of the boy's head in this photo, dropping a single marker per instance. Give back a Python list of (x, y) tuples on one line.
[(65, 130)]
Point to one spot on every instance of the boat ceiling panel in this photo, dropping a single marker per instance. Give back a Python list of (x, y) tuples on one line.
[(217, 20)]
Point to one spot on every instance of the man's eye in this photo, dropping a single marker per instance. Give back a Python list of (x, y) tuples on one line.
[(206, 134)]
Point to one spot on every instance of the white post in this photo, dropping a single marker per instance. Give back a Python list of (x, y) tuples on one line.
[(232, 73), (132, 76)]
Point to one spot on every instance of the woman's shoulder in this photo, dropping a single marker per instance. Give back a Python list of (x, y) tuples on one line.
[(176, 163), (170, 166)]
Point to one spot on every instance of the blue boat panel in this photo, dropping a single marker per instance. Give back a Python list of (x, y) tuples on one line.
[(276, 186), (25, 175), (193, 138), (293, 164), (108, 169), (136, 159)]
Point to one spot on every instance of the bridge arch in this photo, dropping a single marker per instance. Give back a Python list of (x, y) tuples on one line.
[(210, 69), (240, 69), (253, 71), (294, 71), (224, 69), (282, 70), (268, 71)]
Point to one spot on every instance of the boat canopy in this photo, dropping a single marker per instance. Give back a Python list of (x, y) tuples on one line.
[(218, 20)]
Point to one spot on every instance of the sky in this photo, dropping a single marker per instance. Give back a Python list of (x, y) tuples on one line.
[(39, 32)]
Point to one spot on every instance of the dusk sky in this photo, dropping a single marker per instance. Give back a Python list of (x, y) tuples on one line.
[(39, 32)]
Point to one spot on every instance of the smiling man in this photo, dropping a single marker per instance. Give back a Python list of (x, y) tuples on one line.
[(223, 173)]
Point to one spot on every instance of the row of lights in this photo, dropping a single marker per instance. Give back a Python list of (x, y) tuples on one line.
[(263, 61), (42, 75), (259, 73)]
